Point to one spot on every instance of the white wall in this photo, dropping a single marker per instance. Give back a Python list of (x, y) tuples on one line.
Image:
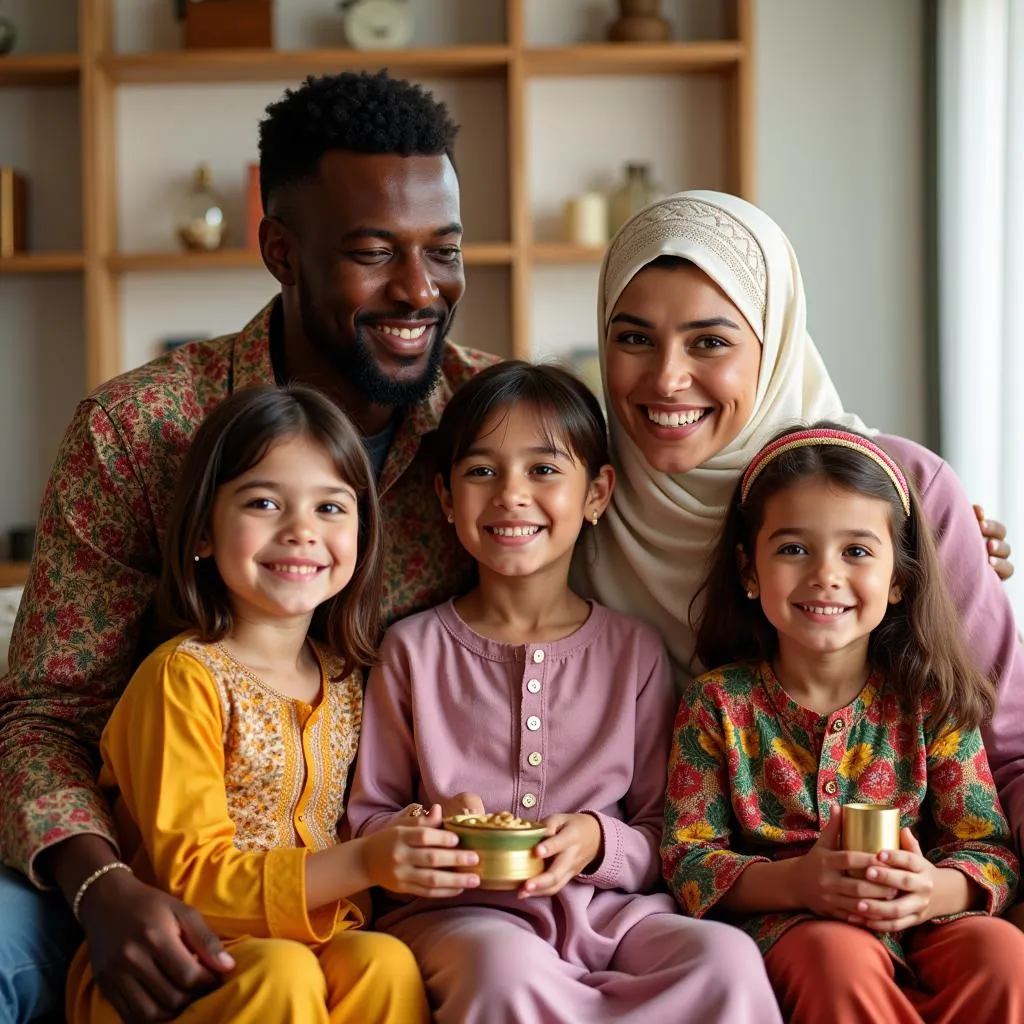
[(42, 364), (840, 98), (839, 124)]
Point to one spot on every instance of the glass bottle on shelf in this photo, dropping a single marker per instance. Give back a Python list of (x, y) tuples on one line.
[(8, 34), (637, 191), (201, 223)]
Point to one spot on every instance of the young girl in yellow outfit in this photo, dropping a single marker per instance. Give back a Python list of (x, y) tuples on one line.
[(228, 755)]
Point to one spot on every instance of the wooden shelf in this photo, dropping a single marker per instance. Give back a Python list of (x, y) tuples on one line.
[(633, 58), (481, 254), (295, 65), (487, 254), (450, 61), (566, 252), (42, 263), (13, 574), (34, 69), (506, 68), (222, 259)]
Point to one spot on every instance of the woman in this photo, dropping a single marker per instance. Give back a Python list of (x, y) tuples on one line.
[(705, 355)]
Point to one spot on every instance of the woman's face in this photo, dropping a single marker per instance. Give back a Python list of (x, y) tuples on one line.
[(682, 366)]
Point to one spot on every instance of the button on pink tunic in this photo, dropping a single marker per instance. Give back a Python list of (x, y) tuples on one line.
[(580, 724)]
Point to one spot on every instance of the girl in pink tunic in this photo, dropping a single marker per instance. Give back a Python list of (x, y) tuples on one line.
[(522, 696)]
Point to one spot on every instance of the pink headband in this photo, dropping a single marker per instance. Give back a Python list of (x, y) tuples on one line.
[(819, 436)]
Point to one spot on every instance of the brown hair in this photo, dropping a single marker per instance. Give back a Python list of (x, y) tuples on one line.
[(231, 441), (919, 646), (566, 409)]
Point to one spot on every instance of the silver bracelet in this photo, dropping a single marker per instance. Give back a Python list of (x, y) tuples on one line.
[(95, 876)]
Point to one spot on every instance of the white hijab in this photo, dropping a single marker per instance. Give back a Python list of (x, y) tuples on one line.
[(659, 530)]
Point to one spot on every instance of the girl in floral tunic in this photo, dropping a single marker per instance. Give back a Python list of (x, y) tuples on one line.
[(848, 683)]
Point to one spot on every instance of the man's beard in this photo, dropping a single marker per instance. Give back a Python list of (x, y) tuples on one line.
[(356, 363)]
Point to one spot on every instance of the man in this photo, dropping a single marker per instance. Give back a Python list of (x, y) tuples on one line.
[(362, 232)]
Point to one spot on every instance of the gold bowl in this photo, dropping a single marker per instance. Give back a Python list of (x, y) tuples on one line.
[(506, 854)]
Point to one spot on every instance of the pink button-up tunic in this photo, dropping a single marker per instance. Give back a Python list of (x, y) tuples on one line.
[(580, 724)]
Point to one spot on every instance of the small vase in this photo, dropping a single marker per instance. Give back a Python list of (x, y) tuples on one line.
[(8, 35), (639, 22), (635, 193), (201, 223)]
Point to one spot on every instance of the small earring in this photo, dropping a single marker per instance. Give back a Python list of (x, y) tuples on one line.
[(751, 595), (451, 518), (195, 558), (593, 521)]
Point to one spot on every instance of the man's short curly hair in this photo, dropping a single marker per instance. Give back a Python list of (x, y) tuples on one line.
[(355, 111)]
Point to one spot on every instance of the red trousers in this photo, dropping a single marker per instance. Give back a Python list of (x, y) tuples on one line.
[(969, 971)]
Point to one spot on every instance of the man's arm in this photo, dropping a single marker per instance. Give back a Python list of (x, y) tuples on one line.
[(74, 642)]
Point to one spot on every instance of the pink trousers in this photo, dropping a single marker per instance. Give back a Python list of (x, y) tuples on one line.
[(483, 965)]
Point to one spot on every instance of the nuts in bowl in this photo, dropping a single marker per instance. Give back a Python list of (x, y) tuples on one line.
[(499, 819), (504, 843)]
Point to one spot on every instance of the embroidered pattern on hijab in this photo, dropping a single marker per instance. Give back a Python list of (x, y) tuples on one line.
[(702, 224), (654, 540)]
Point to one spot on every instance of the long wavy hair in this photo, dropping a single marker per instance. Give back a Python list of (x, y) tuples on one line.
[(231, 441), (919, 645)]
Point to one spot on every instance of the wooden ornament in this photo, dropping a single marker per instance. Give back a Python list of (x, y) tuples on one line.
[(639, 21), (228, 25)]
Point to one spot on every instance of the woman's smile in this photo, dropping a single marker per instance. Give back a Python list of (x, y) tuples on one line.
[(682, 366)]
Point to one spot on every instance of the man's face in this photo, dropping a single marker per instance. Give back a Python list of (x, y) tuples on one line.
[(380, 269)]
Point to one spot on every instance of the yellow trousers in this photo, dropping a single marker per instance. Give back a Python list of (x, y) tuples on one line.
[(355, 978)]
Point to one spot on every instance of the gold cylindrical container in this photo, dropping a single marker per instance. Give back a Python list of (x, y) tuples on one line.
[(506, 855), (870, 828)]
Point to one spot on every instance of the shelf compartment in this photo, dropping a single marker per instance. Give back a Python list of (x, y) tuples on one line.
[(479, 254), (633, 58), (294, 65), (42, 263), (35, 69)]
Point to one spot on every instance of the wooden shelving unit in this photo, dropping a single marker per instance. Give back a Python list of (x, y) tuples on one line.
[(43, 263), (13, 574), (634, 58), (497, 254), (43, 69), (286, 65), (99, 72)]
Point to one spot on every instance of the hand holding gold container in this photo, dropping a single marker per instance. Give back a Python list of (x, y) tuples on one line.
[(870, 828), (504, 844)]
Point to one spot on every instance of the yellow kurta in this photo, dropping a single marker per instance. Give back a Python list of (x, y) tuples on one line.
[(221, 788)]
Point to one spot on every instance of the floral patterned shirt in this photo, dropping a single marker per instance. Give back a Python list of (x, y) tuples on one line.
[(83, 623), (754, 776)]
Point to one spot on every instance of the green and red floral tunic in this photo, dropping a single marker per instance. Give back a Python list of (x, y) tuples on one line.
[(754, 776), (81, 631)]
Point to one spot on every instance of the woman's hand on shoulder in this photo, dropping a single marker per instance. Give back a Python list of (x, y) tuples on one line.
[(419, 859), (996, 544), (821, 881), (574, 842)]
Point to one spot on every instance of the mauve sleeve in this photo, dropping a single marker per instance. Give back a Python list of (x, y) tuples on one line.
[(386, 776), (630, 859), (984, 609)]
